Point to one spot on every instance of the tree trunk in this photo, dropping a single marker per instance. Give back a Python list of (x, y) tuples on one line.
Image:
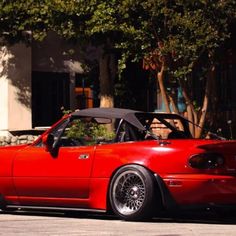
[(160, 80), (107, 72), (165, 97), (191, 113), (202, 119), (173, 103)]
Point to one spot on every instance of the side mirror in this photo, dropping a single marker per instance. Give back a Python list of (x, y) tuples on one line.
[(48, 141)]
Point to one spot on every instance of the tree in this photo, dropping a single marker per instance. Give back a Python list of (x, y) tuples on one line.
[(90, 23), (177, 40), (18, 19), (85, 21)]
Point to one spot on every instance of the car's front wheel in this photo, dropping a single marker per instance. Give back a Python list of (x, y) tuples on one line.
[(131, 193)]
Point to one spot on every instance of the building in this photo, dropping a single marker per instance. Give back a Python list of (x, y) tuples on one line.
[(37, 81)]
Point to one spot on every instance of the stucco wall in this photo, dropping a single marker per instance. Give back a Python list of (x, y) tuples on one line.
[(54, 54), (16, 65), (4, 58), (15, 87)]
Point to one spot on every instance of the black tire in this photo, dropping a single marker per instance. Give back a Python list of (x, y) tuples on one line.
[(131, 193)]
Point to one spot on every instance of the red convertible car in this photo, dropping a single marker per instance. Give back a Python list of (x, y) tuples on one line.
[(133, 163)]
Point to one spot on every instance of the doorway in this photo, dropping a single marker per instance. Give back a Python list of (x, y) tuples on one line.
[(50, 94)]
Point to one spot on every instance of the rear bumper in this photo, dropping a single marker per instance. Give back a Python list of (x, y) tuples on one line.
[(198, 189)]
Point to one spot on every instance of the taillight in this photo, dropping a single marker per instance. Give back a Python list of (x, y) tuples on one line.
[(206, 161)]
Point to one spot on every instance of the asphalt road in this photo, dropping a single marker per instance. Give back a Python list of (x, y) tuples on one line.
[(35, 223)]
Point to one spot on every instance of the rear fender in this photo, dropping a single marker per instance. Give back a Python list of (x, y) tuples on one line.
[(167, 200)]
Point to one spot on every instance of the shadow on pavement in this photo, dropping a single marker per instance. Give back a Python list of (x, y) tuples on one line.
[(198, 217), (207, 217)]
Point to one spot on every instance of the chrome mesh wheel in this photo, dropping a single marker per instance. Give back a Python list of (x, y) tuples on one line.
[(128, 192)]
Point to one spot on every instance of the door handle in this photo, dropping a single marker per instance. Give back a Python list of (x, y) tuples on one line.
[(83, 156)]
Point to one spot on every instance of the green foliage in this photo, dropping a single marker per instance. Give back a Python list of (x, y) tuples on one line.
[(187, 29), (65, 112), (17, 17), (184, 32), (88, 131), (77, 130)]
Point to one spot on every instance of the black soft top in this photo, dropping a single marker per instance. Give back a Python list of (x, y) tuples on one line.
[(118, 113), (131, 116)]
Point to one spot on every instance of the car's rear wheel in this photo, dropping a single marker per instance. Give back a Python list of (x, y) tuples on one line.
[(131, 193)]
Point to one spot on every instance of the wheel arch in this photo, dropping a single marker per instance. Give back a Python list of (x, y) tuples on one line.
[(166, 200)]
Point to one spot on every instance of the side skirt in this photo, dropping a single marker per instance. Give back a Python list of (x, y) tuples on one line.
[(21, 207)]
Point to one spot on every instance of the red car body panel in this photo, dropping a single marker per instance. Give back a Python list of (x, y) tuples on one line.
[(69, 181), (80, 176), (170, 163), (52, 178)]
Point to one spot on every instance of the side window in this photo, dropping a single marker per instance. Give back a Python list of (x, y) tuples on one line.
[(56, 132), (128, 132), (86, 131), (168, 128)]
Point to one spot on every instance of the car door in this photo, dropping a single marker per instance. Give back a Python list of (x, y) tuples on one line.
[(42, 178), (39, 177)]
